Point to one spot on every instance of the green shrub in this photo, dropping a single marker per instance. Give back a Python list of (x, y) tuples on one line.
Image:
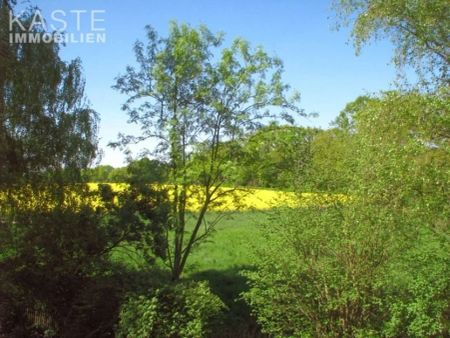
[(419, 290), (377, 265), (317, 275), (347, 271), (181, 310)]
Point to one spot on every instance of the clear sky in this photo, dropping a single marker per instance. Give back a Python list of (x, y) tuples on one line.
[(319, 61)]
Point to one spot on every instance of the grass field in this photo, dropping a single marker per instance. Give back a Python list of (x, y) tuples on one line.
[(229, 246), (220, 260)]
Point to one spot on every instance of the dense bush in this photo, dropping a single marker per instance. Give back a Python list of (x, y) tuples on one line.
[(316, 277), (379, 264), (56, 275), (181, 310), (344, 270)]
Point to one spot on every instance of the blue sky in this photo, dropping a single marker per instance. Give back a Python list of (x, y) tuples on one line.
[(319, 61)]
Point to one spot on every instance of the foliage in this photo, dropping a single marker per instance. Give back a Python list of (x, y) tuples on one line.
[(329, 165), (403, 153), (345, 119), (45, 123), (147, 171), (310, 281), (334, 273), (99, 174), (55, 260), (288, 157), (181, 310), (55, 273), (372, 262), (270, 156), (118, 175), (187, 92), (376, 265), (418, 30), (418, 302), (138, 171)]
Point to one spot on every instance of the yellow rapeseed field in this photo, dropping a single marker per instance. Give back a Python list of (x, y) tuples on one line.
[(246, 199), (242, 199)]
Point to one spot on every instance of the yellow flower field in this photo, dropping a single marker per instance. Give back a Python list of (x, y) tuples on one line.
[(247, 199), (229, 199)]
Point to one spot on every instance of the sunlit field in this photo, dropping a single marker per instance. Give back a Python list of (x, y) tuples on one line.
[(228, 199), (246, 199)]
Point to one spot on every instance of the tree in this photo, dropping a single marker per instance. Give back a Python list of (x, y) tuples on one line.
[(55, 234), (418, 29), (143, 171), (55, 262), (118, 175), (272, 156), (403, 152), (98, 174), (187, 92), (376, 264), (147, 171), (42, 111), (345, 119), (268, 157), (331, 162)]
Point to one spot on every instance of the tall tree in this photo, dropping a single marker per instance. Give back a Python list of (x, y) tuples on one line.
[(418, 30), (52, 239), (185, 91), (45, 123)]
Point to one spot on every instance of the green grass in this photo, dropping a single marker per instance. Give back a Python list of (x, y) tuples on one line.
[(220, 260), (230, 245)]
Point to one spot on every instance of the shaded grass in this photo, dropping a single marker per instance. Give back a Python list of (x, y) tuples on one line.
[(228, 246), (220, 260)]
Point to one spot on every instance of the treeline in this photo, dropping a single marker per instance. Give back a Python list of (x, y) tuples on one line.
[(266, 158), (143, 170), (273, 156)]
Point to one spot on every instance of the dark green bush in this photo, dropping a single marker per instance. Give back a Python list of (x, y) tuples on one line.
[(181, 310)]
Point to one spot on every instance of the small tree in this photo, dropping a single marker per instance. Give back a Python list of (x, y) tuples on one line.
[(186, 92)]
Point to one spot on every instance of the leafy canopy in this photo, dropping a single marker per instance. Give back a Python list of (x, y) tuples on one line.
[(186, 91), (418, 30)]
